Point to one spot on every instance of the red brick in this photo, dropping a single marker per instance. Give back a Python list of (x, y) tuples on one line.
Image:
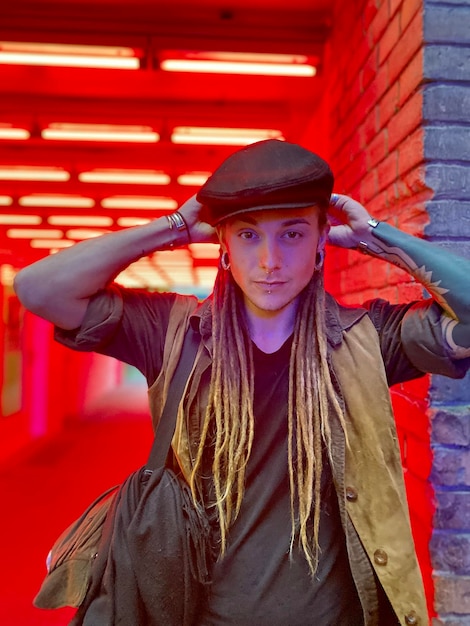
[(365, 104), (406, 120), (392, 207), (368, 15), (411, 151), (355, 147), (379, 272), (358, 168), (407, 292), (369, 186), (387, 170), (339, 180), (347, 131), (344, 108), (340, 258), (411, 77), (335, 87), (368, 71), (414, 219), (377, 150), (387, 292), (388, 106), (369, 127), (389, 39), (340, 164), (399, 279), (398, 191), (395, 5), (382, 81), (357, 281), (408, 10), (379, 24), (355, 91), (361, 51), (377, 205), (415, 180), (410, 42)]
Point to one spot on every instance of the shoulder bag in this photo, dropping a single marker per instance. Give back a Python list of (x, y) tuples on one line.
[(140, 553)]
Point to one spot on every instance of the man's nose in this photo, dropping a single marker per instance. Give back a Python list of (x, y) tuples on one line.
[(270, 258)]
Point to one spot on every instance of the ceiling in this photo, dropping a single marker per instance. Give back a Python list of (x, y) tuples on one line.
[(34, 97)]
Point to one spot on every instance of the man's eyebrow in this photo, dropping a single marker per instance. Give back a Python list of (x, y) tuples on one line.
[(296, 220), (290, 222)]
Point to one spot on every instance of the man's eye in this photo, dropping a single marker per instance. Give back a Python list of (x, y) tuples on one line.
[(247, 234), (293, 234)]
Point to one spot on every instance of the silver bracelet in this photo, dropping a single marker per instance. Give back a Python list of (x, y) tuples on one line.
[(362, 245), (176, 221)]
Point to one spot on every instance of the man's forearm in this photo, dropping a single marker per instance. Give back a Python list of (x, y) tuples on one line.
[(445, 276), (59, 286)]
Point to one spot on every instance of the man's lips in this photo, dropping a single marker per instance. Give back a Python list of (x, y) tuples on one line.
[(269, 284)]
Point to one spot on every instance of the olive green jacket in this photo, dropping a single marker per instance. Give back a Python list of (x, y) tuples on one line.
[(366, 460), (367, 472)]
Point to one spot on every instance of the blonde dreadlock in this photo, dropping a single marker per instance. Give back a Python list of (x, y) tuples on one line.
[(229, 412)]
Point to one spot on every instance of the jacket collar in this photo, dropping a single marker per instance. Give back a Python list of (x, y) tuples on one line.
[(338, 319)]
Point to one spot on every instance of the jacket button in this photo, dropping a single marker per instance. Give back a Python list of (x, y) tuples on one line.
[(381, 558), (351, 494), (411, 618)]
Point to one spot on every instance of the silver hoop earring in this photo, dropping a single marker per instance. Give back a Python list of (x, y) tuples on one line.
[(319, 260), (225, 261)]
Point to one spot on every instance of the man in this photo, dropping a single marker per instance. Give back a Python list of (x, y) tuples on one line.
[(286, 434)]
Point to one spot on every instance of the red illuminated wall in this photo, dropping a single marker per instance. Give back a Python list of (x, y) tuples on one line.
[(397, 107), (58, 385), (374, 105)]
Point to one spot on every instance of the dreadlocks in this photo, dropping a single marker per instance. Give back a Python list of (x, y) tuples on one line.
[(229, 416)]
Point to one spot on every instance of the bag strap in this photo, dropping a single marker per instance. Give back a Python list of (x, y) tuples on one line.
[(166, 426)]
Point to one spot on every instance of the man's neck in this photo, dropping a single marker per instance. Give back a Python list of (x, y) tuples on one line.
[(270, 330)]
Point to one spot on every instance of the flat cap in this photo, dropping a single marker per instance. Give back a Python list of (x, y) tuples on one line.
[(269, 174)]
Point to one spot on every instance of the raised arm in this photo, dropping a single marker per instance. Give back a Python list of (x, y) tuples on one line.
[(445, 276), (59, 286)]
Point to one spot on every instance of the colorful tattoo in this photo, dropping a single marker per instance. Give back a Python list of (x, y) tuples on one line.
[(444, 275)]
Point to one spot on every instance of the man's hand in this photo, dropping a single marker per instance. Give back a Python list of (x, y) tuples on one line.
[(348, 222), (199, 231)]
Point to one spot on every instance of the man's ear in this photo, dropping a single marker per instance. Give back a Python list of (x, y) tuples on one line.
[(220, 232), (323, 238)]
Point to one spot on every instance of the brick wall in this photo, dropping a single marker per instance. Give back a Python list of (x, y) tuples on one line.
[(398, 115), (375, 96), (446, 112)]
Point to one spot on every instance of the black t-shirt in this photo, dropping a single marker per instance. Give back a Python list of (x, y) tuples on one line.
[(257, 582)]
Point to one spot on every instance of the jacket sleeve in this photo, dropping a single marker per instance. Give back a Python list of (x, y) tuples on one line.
[(411, 341), (129, 325)]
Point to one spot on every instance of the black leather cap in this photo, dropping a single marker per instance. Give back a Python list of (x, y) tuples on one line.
[(269, 174)]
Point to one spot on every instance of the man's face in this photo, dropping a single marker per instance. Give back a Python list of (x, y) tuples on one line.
[(272, 255)]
